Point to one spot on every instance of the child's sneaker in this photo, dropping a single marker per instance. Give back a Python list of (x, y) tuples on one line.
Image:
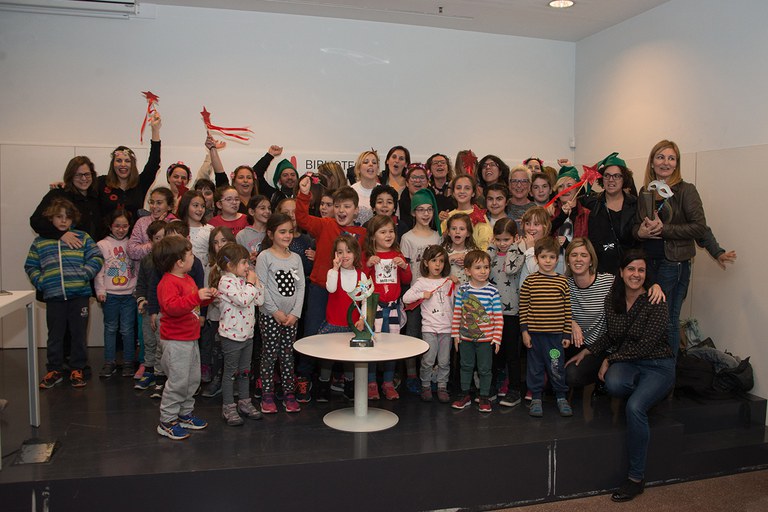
[(127, 370), (107, 370), (76, 379), (463, 402), (290, 403), (213, 388), (157, 391), (246, 407), (528, 396), (413, 385), (139, 372), (229, 413), (146, 380), (268, 405), (426, 394), (324, 391), (504, 388), (373, 391), (172, 430), (442, 395), (485, 405), (349, 390), (536, 409), (303, 388), (190, 422), (51, 379), (257, 388), (511, 398), (390, 393), (337, 384), (564, 407)]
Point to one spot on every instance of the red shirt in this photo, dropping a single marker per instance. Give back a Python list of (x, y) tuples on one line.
[(338, 304), (325, 231), (387, 277), (179, 308), (235, 225)]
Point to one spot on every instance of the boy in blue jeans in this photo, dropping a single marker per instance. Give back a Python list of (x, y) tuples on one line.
[(545, 321), (180, 302)]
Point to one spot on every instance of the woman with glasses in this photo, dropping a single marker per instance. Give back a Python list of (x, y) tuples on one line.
[(79, 188), (415, 180), (490, 169), (440, 177), (519, 188)]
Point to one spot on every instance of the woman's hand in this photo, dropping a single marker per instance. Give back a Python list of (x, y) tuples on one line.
[(71, 240), (275, 150), (577, 335), (155, 122), (564, 162), (56, 184), (578, 358), (650, 228), (726, 257), (373, 260), (655, 295), (603, 369)]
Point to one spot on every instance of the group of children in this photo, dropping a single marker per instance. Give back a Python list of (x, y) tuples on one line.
[(210, 285)]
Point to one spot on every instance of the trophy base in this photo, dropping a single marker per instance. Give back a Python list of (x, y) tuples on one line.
[(361, 342)]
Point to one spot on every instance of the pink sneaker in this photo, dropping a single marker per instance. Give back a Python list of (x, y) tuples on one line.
[(268, 405), (139, 372), (290, 403), (373, 391), (390, 393)]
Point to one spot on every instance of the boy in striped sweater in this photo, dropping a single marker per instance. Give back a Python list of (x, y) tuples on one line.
[(476, 327), (545, 321)]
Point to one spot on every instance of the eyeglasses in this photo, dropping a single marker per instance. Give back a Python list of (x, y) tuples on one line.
[(83, 176), (489, 165), (423, 209), (230, 199), (417, 177), (613, 177), (518, 182), (439, 162)]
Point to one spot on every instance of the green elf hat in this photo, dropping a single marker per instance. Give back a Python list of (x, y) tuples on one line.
[(425, 196), (612, 159), (568, 172), (283, 165)]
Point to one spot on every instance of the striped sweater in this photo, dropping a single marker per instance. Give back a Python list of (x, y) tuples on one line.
[(545, 304), (477, 314), (60, 272)]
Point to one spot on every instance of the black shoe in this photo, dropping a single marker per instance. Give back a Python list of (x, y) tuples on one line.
[(628, 491), (349, 390), (323, 391)]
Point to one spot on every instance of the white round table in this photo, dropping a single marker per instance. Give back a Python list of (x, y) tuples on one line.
[(387, 347)]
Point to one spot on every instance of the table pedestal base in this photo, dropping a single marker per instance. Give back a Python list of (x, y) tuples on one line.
[(373, 421)]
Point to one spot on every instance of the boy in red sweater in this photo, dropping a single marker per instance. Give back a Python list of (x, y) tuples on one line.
[(180, 301), (324, 231)]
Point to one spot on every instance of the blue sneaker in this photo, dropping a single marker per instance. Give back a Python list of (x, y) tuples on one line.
[(413, 385), (145, 382), (564, 407), (536, 410), (192, 422), (172, 431)]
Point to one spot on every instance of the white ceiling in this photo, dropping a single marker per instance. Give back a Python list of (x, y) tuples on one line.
[(527, 18)]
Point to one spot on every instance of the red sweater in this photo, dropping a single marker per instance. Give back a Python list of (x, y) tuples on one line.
[(383, 275), (325, 231), (179, 308), (338, 304), (235, 225)]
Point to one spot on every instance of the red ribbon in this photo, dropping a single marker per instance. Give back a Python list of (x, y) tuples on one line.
[(589, 177), (470, 161), (151, 100), (223, 129)]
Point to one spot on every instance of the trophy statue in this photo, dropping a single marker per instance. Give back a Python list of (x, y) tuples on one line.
[(363, 293)]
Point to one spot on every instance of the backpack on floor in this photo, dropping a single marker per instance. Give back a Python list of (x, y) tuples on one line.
[(698, 378)]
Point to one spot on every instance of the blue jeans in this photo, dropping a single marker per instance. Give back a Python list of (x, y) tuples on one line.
[(119, 313), (673, 277), (644, 382)]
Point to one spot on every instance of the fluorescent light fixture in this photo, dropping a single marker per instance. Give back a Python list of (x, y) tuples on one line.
[(98, 8), (561, 4)]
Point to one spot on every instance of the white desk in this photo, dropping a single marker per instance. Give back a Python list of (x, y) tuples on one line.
[(387, 347), (9, 304)]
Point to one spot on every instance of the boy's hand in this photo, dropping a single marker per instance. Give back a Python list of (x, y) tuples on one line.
[(566, 343), (456, 344), (527, 340), (305, 184), (427, 295), (496, 347), (373, 260), (275, 150), (400, 262)]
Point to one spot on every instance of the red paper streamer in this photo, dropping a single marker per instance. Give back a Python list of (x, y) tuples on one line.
[(151, 100), (589, 177), (227, 131)]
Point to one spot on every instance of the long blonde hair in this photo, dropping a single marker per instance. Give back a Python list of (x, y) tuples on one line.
[(650, 175)]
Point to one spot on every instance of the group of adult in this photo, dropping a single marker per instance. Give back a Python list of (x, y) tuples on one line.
[(617, 243)]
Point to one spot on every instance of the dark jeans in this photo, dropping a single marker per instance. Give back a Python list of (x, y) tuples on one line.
[(583, 374), (509, 352), (673, 277), (644, 382), (62, 316), (546, 355)]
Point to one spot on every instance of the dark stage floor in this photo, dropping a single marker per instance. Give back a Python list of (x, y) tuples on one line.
[(434, 458)]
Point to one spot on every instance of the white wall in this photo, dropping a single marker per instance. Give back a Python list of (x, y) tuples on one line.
[(323, 88), (692, 71)]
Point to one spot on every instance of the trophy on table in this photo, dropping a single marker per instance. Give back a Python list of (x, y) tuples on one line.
[(363, 293)]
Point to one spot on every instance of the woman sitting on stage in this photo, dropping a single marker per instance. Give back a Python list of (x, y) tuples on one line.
[(640, 367)]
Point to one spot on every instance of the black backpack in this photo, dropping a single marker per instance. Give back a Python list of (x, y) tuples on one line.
[(697, 377)]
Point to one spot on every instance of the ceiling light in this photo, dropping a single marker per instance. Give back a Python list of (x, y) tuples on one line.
[(561, 4)]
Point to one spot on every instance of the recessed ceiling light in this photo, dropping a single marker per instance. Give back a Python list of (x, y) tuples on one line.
[(561, 4)]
